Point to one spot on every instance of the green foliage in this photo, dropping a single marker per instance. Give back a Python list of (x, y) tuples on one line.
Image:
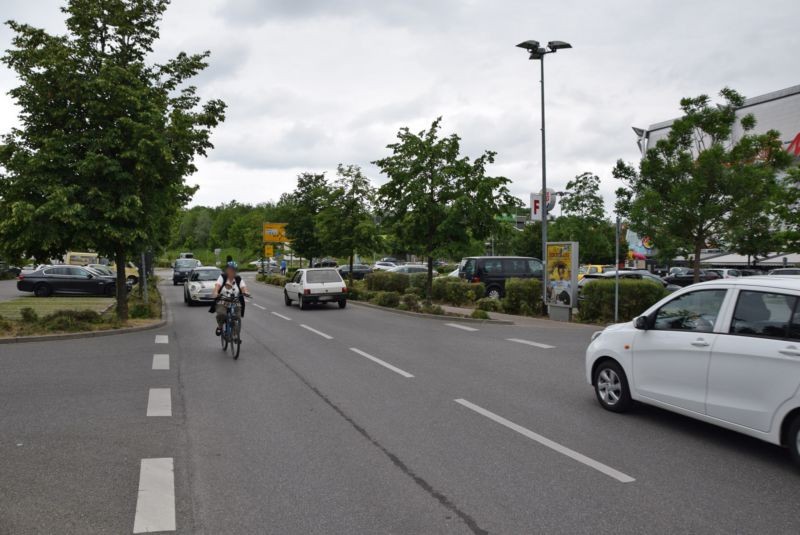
[(418, 283), (435, 199), (456, 292), (523, 296), (479, 314), (635, 296), (345, 225), (700, 185), (410, 302), (489, 305), (105, 140), (386, 299), (273, 280), (302, 207), (29, 315), (384, 281), (432, 309)]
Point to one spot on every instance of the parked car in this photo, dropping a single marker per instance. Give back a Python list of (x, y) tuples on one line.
[(785, 272), (493, 271), (315, 286), (11, 270), (380, 265), (181, 269), (105, 270), (726, 273), (626, 274), (266, 265), (186, 255), (750, 272), (359, 271), (686, 277), (74, 280), (592, 269), (200, 285), (410, 269), (390, 259), (326, 263), (726, 352)]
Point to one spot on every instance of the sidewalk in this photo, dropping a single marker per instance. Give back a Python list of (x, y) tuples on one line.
[(524, 321)]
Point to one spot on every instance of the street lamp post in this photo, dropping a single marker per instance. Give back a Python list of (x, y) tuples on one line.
[(539, 52)]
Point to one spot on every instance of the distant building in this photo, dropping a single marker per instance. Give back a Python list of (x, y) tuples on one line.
[(779, 110)]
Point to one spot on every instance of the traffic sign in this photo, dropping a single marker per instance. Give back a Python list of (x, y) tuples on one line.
[(269, 251), (275, 233)]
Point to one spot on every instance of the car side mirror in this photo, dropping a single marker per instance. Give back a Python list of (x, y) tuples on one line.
[(642, 323)]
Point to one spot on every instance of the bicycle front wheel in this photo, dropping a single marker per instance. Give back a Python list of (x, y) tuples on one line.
[(236, 341), (223, 337)]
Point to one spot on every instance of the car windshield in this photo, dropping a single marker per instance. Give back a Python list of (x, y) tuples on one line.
[(326, 275), (206, 275), (185, 263)]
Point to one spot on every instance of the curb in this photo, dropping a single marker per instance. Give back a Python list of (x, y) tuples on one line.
[(89, 334), (442, 317)]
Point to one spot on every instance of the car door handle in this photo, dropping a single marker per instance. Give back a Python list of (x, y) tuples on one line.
[(790, 351), (700, 343)]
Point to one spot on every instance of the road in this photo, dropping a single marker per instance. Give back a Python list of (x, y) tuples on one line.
[(358, 421), (8, 290)]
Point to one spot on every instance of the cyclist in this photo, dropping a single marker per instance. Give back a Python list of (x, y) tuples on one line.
[(229, 285)]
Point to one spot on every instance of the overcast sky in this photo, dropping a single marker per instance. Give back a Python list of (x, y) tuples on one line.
[(313, 83)]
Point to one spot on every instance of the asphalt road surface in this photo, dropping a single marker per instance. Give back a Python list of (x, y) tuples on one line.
[(358, 421), (8, 290)]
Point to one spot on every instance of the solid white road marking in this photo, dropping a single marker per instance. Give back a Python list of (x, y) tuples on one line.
[(162, 339), (322, 334), (160, 362), (287, 318), (159, 402), (555, 446), (462, 327), (259, 306), (382, 363), (529, 343), (155, 505)]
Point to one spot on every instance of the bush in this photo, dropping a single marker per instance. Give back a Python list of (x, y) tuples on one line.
[(433, 309), (489, 305), (635, 296), (456, 292), (383, 281), (418, 283), (356, 291), (273, 280), (410, 302), (29, 315), (5, 325), (71, 320), (523, 296), (386, 299), (479, 314)]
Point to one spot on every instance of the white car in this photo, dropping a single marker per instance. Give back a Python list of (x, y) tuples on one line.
[(200, 285), (317, 285), (383, 266), (785, 272), (725, 352)]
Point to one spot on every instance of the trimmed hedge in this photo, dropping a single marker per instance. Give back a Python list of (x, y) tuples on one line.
[(456, 292), (523, 296), (386, 299), (384, 281), (274, 280), (489, 305), (635, 296)]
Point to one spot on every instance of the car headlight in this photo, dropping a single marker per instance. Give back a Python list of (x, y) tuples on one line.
[(595, 335)]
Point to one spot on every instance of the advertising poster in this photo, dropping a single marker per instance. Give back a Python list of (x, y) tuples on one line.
[(562, 273)]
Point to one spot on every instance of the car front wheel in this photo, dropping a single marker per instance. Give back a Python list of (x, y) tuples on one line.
[(42, 290), (611, 387), (793, 440), (286, 299)]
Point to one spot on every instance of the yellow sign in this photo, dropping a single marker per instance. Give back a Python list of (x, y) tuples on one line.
[(275, 233), (562, 272), (269, 251)]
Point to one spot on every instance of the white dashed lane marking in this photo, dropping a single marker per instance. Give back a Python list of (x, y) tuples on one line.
[(544, 441), (313, 330), (259, 306), (155, 504), (287, 318), (159, 402), (162, 339), (462, 327), (529, 343), (382, 363), (160, 362)]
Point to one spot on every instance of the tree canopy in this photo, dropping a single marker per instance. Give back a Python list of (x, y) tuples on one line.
[(106, 139)]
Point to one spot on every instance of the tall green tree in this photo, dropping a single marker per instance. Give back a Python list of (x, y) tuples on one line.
[(435, 198), (106, 139), (582, 198), (302, 207), (346, 224), (696, 184)]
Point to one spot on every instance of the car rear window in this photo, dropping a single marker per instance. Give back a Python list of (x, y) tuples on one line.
[(206, 275), (186, 262), (327, 275)]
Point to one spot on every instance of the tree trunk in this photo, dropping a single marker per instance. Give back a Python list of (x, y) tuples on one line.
[(698, 246), (351, 270), (429, 285), (122, 288)]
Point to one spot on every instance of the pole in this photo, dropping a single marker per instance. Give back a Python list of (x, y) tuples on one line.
[(616, 277), (144, 279), (544, 191)]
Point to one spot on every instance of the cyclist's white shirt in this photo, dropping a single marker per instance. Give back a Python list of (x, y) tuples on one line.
[(233, 291)]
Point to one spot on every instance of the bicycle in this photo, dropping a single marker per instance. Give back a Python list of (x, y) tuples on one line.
[(232, 328)]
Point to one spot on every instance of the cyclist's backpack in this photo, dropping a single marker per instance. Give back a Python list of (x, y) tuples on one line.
[(241, 297)]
